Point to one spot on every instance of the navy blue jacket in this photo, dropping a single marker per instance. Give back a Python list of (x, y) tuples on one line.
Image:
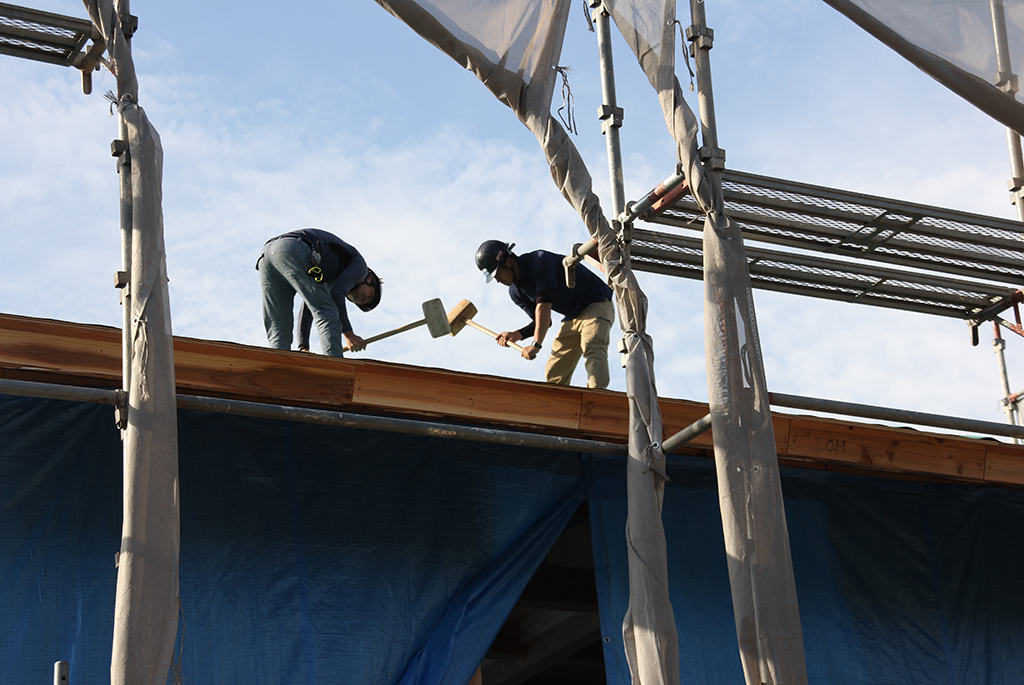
[(542, 279)]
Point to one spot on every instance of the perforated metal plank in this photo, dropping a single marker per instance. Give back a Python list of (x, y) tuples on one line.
[(824, 277), (42, 36), (865, 227)]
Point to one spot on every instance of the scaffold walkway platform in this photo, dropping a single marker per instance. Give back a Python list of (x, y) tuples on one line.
[(850, 247)]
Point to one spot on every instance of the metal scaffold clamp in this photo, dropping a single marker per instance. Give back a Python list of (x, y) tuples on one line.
[(623, 231), (700, 37), (713, 158), (1007, 82), (623, 348), (121, 409), (610, 117)]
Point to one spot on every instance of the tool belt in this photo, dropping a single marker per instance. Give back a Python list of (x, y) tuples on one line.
[(315, 251)]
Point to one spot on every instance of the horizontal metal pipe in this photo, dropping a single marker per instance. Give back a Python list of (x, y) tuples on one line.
[(394, 425), (58, 392), (576, 255), (635, 210), (896, 415), (273, 411), (327, 418), (701, 425)]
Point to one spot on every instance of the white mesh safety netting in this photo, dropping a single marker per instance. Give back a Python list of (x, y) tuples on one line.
[(973, 47)]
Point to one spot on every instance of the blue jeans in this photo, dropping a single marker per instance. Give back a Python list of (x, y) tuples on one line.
[(284, 267)]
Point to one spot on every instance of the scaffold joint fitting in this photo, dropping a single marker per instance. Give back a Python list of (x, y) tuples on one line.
[(611, 116), (701, 37), (623, 231), (121, 409), (1006, 82), (713, 157)]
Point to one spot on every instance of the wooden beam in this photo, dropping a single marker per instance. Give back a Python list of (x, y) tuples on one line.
[(436, 392), (80, 354)]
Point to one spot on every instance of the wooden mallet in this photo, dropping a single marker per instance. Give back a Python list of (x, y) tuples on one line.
[(462, 315), (433, 317)]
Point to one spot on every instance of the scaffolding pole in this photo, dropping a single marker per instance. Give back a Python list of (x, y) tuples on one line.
[(701, 39), (609, 112), (1006, 81), (120, 149)]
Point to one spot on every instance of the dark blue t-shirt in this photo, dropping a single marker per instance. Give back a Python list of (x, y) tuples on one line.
[(541, 273)]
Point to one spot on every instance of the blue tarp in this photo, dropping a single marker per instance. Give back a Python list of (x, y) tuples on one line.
[(898, 581), (315, 554), (308, 553)]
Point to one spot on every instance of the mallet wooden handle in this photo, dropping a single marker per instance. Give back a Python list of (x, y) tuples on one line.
[(474, 324), (388, 334)]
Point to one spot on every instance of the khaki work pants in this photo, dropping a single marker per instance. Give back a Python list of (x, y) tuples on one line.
[(585, 336)]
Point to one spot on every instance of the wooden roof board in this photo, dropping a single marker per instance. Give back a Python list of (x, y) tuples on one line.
[(83, 354)]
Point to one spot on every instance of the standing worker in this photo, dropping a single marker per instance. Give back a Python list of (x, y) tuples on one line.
[(325, 271), (536, 282)]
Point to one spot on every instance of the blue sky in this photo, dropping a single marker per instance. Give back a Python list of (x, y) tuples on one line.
[(336, 115)]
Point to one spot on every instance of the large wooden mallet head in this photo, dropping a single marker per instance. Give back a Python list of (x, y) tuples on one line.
[(460, 315), (433, 314)]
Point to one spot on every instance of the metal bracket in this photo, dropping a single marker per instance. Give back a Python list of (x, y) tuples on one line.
[(1016, 194), (610, 117), (702, 38), (120, 149), (122, 281), (713, 158), (121, 409), (1006, 82), (129, 26), (623, 348), (90, 60), (570, 269), (623, 231)]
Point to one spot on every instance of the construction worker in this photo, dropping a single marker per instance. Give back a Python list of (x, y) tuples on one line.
[(325, 271), (536, 283)]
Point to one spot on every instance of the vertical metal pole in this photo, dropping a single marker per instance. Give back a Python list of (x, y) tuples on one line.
[(1009, 407), (609, 113), (1006, 81), (124, 170), (701, 41), (60, 673)]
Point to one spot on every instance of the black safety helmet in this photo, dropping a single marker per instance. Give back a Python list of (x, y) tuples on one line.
[(374, 280), (490, 255)]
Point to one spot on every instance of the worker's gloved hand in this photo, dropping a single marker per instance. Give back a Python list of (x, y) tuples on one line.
[(506, 337), (530, 352), (355, 343)]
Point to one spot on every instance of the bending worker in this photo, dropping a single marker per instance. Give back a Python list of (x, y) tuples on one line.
[(325, 271), (536, 282)]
